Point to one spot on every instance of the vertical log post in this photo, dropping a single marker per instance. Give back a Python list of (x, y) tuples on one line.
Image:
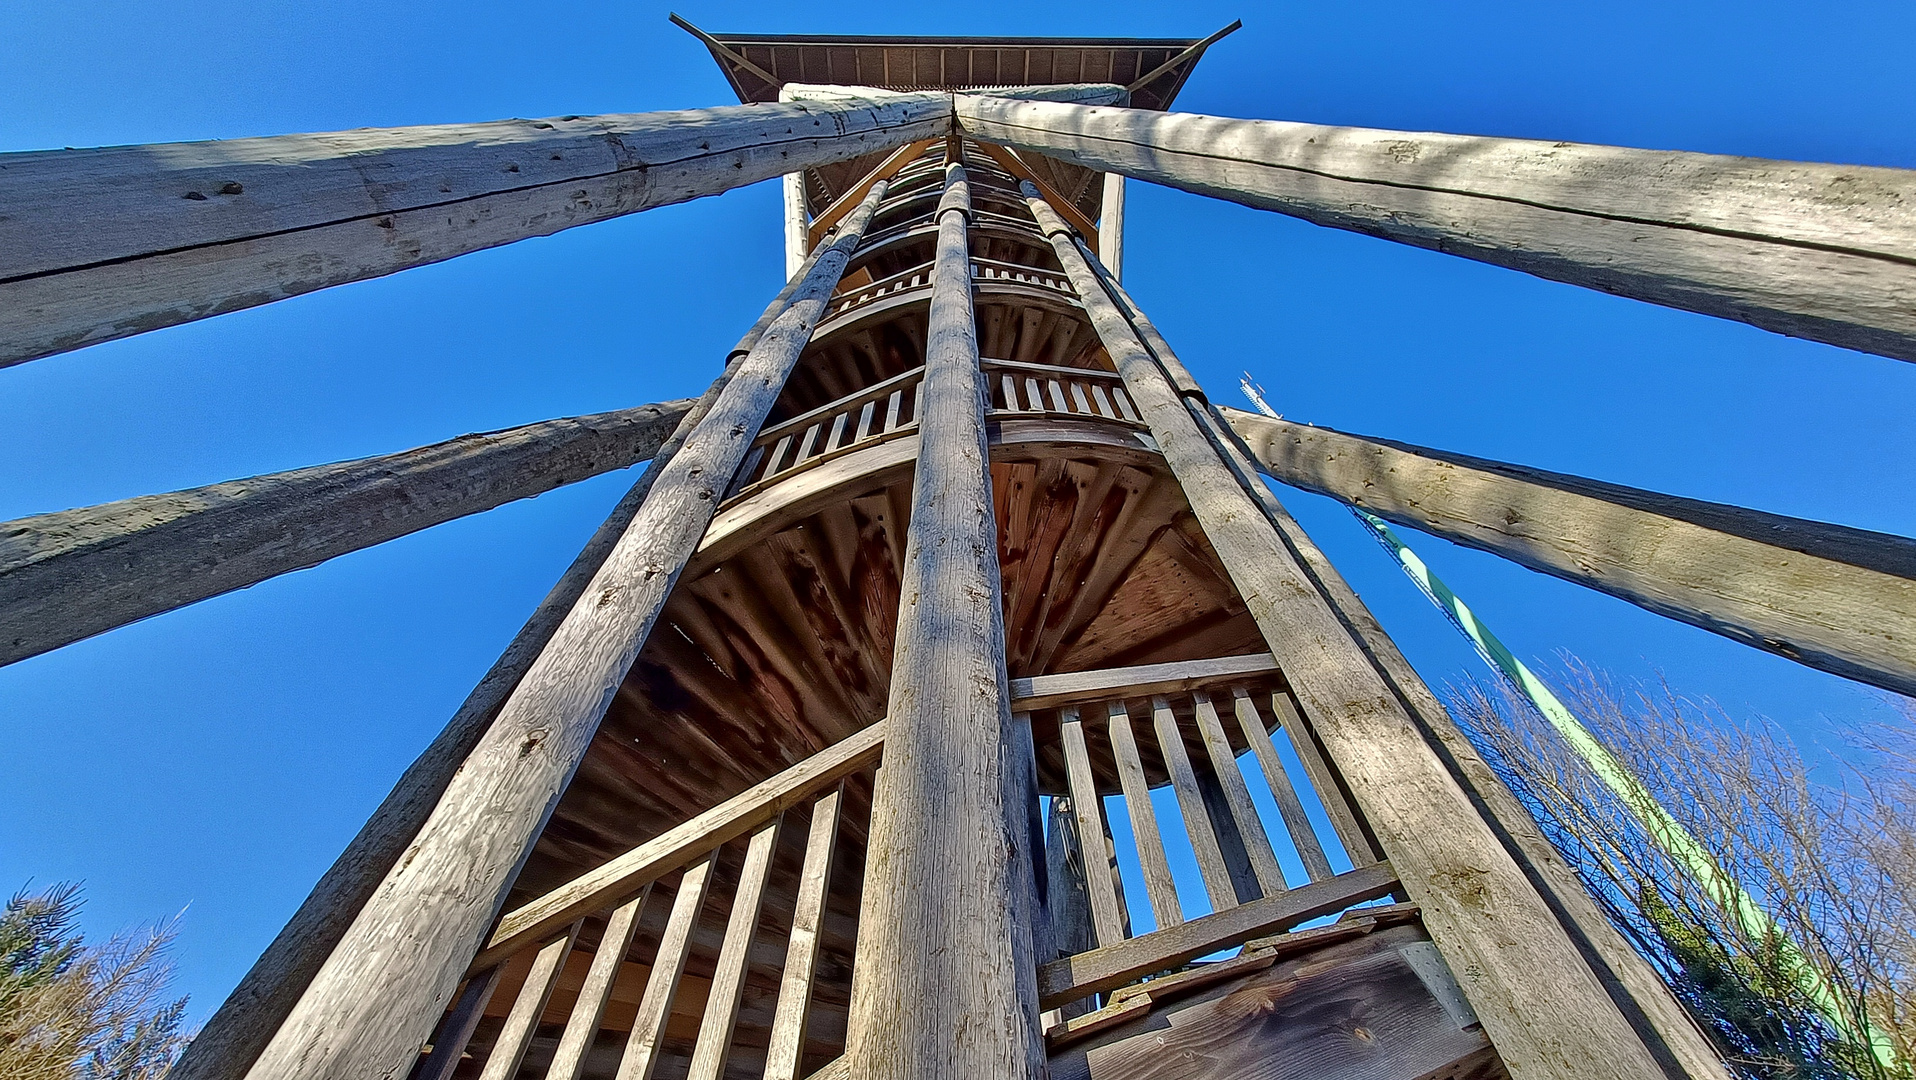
[(1539, 1002), (1111, 225), (235, 1034), (795, 238), (945, 986), (1645, 1000), (377, 996)]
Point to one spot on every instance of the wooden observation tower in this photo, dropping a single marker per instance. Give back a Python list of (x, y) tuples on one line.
[(834, 753)]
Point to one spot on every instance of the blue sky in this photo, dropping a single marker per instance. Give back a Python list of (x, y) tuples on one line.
[(215, 760)]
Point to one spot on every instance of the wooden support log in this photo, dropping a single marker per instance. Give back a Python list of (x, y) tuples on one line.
[(1111, 225), (233, 1037), (104, 243), (945, 985), (377, 996), (1835, 598), (1538, 1000), (75, 573), (1825, 252), (1638, 991)]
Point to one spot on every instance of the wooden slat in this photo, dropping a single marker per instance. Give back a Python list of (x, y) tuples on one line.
[(1296, 822), (672, 849), (75, 573), (1144, 680), (1158, 884), (786, 1049), (642, 1046), (1825, 252), (455, 1031), (1107, 919), (102, 243), (1197, 823), (1330, 792), (568, 1060), (509, 1049), (1835, 598), (1108, 967), (735, 954), (1257, 845)]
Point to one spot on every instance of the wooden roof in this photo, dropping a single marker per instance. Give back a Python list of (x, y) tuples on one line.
[(949, 63)]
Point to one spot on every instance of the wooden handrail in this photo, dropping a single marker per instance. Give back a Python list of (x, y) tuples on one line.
[(1049, 370), (1100, 970), (871, 393), (1052, 691), (673, 849)]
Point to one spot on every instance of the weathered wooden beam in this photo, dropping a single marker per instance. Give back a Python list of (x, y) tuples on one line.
[(103, 243), (1835, 598), (1111, 224), (234, 1035), (378, 994), (946, 975), (1639, 992), (1825, 252), (75, 573), (1538, 1000)]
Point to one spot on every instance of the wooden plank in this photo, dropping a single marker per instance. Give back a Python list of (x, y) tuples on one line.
[(1108, 967), (1101, 875), (1825, 252), (714, 1042), (1537, 997), (376, 998), (1270, 877), (1289, 806), (944, 936), (1143, 680), (455, 1031), (1638, 991), (1158, 884), (1197, 823), (733, 818), (239, 1029), (75, 573), (568, 1059), (642, 1046), (509, 1049), (786, 1048), (1835, 598), (104, 243), (1351, 832)]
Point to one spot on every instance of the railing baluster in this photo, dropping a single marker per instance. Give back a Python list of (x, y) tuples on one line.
[(1296, 821), (1158, 884), (1257, 845), (787, 1047), (1210, 857), (805, 445), (891, 409), (1104, 402), (1057, 396), (834, 440), (1356, 844), (510, 1048), (1124, 404), (568, 1061), (735, 955), (1078, 399), (777, 462), (455, 1031), (1034, 395), (1101, 877), (865, 421), (918, 401), (1011, 394), (648, 1027)]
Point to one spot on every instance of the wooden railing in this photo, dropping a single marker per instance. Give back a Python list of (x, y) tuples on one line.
[(919, 277), (525, 959), (889, 410), (1167, 724), (613, 897)]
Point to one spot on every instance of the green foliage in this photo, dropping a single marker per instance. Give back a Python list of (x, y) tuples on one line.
[(70, 1011)]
